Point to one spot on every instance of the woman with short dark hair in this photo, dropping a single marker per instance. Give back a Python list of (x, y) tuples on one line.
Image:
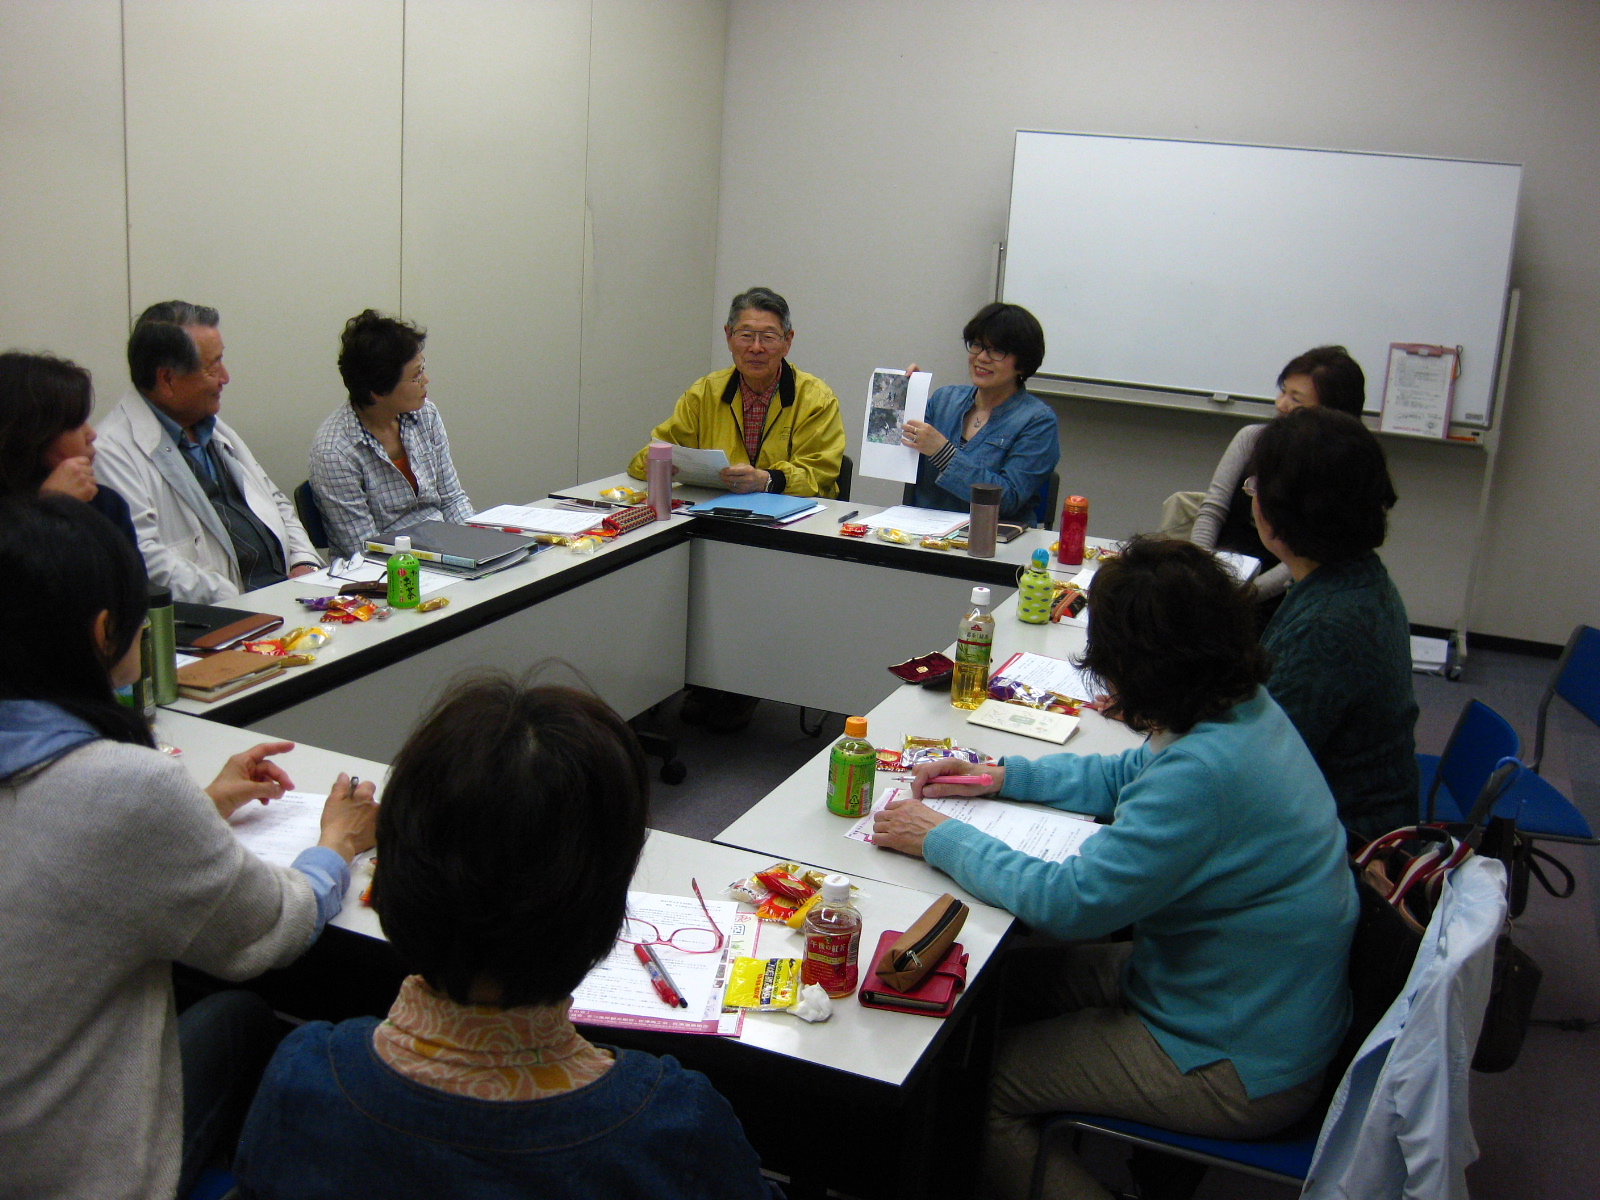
[(1326, 377), (1340, 642), (382, 462), (46, 441), (118, 865), (991, 431), (1223, 853), (510, 828)]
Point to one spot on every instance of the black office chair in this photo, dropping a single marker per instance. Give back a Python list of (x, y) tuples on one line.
[(305, 507), (847, 474), (1044, 514)]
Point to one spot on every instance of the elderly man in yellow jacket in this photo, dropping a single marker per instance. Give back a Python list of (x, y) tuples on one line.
[(780, 427)]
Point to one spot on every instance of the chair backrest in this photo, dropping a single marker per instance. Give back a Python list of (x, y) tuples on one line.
[(847, 474), (1481, 738), (1049, 507), (1576, 680), (305, 507)]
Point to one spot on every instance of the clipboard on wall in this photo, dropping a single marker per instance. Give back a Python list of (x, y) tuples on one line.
[(1418, 389)]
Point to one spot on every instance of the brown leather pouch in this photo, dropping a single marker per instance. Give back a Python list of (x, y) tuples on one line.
[(919, 949), (240, 631)]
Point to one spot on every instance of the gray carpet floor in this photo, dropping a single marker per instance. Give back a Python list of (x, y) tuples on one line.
[(1532, 1122)]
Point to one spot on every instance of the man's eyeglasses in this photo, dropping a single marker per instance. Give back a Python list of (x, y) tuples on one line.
[(748, 338), (693, 940)]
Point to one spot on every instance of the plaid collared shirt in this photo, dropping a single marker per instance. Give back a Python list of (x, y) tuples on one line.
[(363, 494), (754, 418)]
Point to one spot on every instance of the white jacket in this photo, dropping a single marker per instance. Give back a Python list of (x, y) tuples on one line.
[(1398, 1125), (184, 543)]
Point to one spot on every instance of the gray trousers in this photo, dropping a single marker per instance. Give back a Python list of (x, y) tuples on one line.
[(1098, 1057)]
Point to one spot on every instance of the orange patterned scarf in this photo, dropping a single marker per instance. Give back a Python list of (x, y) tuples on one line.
[(486, 1053)]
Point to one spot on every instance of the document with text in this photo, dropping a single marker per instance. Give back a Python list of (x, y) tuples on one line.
[(1035, 830)]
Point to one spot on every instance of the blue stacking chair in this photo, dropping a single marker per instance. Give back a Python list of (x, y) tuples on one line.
[(1048, 513), (310, 514), (1545, 813), (1481, 738)]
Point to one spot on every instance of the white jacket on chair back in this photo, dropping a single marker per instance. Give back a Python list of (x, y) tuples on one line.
[(184, 542), (1398, 1125)]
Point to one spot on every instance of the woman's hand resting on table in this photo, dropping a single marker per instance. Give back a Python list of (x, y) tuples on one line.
[(903, 824)]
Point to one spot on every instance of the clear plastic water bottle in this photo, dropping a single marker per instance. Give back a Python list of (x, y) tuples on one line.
[(1036, 590), (405, 575), (974, 643)]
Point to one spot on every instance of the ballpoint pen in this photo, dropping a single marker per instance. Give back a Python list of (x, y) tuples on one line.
[(659, 979), (854, 512)]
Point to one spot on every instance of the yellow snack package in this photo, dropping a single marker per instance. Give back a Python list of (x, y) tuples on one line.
[(763, 983), (798, 917)]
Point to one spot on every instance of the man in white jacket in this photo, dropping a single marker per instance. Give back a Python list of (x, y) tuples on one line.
[(211, 524)]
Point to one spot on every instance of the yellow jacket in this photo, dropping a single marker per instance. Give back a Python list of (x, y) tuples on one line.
[(804, 438)]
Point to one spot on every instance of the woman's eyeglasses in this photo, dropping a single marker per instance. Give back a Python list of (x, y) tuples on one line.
[(693, 940), (977, 350)]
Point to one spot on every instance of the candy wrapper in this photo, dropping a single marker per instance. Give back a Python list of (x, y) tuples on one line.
[(624, 495), (433, 605), (909, 759), (889, 760), (767, 984), (913, 742), (1012, 692), (798, 917), (851, 529), (347, 610), (813, 1005), (784, 879), (898, 536), (1068, 602), (935, 543)]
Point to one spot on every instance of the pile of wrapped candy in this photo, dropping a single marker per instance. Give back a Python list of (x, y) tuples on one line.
[(784, 892), (916, 750), (346, 610), (295, 648)]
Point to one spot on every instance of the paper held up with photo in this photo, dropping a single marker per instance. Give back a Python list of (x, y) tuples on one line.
[(699, 468), (1035, 830), (893, 398)]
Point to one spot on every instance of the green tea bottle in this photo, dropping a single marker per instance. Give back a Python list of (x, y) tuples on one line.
[(405, 575), (852, 768)]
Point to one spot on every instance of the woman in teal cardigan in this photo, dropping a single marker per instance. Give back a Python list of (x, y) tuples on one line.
[(1223, 852)]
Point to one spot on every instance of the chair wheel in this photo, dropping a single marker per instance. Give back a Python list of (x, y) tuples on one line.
[(673, 772)]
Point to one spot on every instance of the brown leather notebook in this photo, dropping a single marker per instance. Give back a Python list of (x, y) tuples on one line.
[(211, 627), (224, 673)]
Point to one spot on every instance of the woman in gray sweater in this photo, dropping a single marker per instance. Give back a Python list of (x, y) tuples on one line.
[(116, 866)]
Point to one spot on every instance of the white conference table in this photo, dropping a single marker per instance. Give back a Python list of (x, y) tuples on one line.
[(690, 600), (793, 817), (883, 1046)]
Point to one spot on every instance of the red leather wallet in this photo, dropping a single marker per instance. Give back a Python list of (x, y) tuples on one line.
[(935, 996)]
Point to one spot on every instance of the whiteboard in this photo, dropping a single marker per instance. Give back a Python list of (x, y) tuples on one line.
[(1204, 266)]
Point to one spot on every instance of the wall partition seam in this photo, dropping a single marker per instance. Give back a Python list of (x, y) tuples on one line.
[(127, 204), (400, 258), (586, 268)]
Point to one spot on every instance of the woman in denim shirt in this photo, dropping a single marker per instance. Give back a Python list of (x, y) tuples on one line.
[(991, 430), (507, 839)]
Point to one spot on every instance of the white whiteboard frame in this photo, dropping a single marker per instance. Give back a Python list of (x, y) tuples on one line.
[(1141, 335)]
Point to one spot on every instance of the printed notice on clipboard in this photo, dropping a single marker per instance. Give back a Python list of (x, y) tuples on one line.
[(1418, 388)]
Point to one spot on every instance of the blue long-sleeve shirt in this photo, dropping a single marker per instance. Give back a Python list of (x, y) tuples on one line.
[(1017, 449), (1226, 855)]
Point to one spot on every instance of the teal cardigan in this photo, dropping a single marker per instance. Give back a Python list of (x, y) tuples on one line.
[(1226, 856)]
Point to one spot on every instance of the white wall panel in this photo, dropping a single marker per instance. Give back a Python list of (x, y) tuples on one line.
[(655, 137), (495, 134), (264, 179), (63, 249), (866, 173)]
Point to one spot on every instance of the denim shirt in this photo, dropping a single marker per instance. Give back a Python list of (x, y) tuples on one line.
[(1017, 449), (333, 1119)]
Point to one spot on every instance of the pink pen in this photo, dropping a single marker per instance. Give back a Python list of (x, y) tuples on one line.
[(985, 779)]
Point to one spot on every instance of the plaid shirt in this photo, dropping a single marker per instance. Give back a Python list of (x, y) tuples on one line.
[(754, 418), (363, 494)]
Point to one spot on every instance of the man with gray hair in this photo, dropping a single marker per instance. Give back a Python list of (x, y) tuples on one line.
[(211, 524), (780, 427)]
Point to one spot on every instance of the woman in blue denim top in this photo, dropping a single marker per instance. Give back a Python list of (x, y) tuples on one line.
[(509, 832), (991, 431)]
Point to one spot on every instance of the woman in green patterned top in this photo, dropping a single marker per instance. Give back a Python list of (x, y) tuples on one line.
[(1340, 643)]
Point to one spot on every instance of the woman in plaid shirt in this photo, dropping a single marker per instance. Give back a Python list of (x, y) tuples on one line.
[(382, 461)]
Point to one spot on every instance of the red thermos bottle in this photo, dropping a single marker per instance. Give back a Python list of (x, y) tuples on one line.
[(1074, 528)]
